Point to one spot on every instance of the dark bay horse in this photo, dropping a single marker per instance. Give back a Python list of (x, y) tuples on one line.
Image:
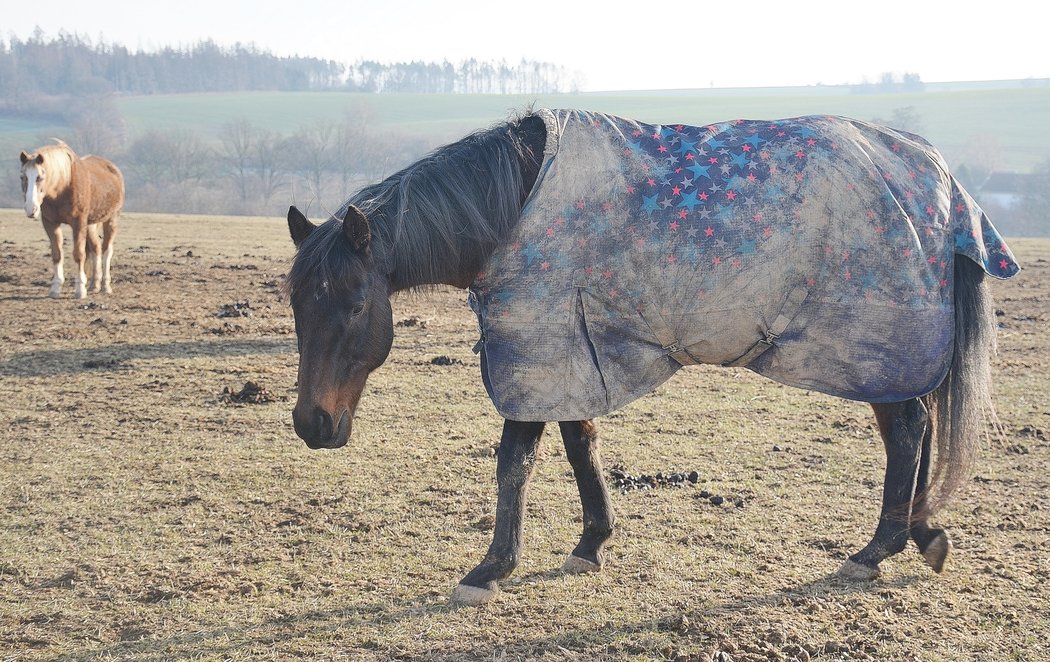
[(603, 254), (86, 193)]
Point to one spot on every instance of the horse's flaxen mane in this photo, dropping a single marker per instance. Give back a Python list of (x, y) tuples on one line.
[(58, 162), (440, 216)]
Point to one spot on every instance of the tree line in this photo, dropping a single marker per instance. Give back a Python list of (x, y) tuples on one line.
[(71, 65)]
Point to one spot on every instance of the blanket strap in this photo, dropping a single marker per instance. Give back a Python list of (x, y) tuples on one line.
[(667, 338), (779, 325)]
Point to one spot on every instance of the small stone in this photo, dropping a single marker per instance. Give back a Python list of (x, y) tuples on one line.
[(717, 500), (694, 477)]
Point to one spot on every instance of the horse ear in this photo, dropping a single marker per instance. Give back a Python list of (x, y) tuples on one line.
[(355, 228), (39, 159), (24, 157), (299, 226)]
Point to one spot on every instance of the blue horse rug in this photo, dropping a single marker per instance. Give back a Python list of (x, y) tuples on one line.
[(816, 251)]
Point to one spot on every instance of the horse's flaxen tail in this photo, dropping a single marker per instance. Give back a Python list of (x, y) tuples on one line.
[(961, 407)]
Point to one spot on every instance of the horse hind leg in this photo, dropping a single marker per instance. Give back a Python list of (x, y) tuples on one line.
[(109, 235), (581, 448), (80, 233), (933, 543), (54, 234), (905, 430), (94, 258)]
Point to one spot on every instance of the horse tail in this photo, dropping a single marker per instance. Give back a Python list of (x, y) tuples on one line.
[(962, 403)]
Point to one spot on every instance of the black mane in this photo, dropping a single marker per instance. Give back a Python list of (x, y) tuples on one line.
[(439, 218)]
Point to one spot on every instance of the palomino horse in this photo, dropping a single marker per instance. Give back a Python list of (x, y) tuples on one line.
[(603, 254), (86, 193)]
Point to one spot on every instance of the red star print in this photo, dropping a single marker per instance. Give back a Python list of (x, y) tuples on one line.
[(682, 214), (703, 196), (550, 232), (674, 225), (1003, 264), (580, 204), (545, 265), (676, 190), (730, 195), (709, 232)]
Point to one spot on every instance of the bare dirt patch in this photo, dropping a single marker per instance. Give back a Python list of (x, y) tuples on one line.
[(157, 504)]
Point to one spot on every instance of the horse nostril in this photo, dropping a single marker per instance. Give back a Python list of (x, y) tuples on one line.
[(324, 425)]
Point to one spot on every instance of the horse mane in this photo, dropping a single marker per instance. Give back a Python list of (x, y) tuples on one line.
[(436, 219), (58, 160)]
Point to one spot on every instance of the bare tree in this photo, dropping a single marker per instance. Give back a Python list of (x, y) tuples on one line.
[(98, 127), (315, 152), (269, 163), (238, 138)]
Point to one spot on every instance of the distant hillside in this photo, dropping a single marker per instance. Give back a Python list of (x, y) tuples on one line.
[(1008, 123)]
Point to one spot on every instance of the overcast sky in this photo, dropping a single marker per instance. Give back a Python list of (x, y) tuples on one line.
[(612, 45)]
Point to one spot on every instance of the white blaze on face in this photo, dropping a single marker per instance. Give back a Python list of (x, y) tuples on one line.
[(32, 202)]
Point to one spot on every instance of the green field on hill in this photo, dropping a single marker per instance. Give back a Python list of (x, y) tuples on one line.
[(968, 124)]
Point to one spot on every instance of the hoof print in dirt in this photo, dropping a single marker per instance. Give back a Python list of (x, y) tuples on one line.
[(236, 309), (445, 360), (412, 321), (252, 394)]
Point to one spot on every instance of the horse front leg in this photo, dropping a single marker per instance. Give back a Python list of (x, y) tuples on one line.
[(515, 461), (54, 234), (581, 447), (904, 427)]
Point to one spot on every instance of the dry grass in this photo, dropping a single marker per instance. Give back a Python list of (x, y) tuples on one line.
[(148, 517)]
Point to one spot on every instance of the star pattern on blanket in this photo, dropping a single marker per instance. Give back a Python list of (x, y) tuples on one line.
[(707, 200)]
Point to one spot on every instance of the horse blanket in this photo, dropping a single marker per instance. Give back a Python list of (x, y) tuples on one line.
[(817, 251)]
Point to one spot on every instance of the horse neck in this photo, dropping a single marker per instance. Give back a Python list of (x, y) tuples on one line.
[(60, 167), (413, 255)]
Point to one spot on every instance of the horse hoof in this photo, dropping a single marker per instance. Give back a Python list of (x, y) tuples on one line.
[(937, 551), (471, 596), (574, 565), (856, 572), (54, 294)]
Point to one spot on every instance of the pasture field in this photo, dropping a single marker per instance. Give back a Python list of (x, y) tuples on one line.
[(1003, 129), (157, 505)]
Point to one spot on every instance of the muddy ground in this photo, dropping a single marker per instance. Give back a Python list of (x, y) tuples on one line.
[(156, 504)]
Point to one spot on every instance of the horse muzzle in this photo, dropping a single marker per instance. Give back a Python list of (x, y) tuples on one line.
[(32, 213), (319, 430)]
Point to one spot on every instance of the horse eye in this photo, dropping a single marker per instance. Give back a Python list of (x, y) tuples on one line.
[(357, 309)]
